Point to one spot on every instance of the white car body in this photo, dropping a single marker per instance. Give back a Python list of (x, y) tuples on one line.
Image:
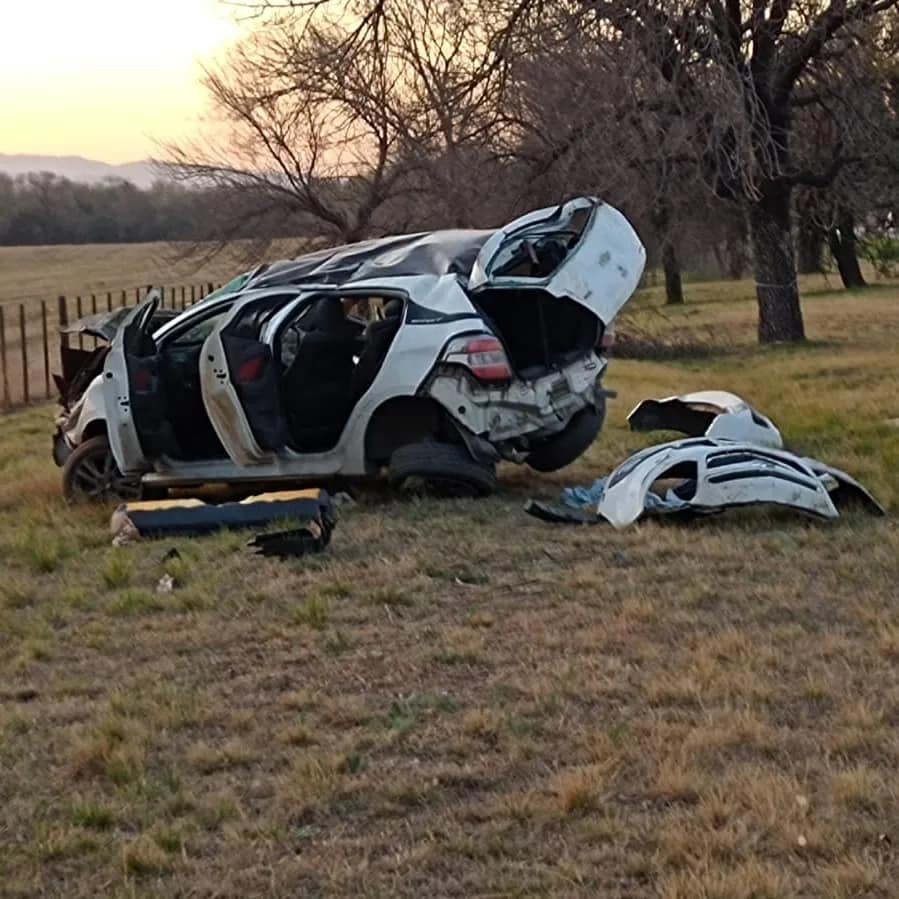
[(429, 358)]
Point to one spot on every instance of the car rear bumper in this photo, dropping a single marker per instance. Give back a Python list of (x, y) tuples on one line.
[(520, 410)]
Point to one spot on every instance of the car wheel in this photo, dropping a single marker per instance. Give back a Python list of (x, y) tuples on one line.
[(442, 469), (90, 474), (563, 448)]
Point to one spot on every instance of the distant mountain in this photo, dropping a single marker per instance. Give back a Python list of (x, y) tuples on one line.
[(77, 168)]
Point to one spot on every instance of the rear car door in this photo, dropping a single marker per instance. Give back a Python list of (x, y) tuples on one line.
[(584, 250), (240, 378), (134, 393)]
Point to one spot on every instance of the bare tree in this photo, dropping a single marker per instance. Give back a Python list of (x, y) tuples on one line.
[(847, 102), (337, 118), (738, 70), (309, 136)]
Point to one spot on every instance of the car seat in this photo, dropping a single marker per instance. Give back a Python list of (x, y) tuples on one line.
[(377, 339), (318, 383)]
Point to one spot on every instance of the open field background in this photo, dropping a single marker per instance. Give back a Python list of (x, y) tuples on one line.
[(43, 273), (100, 276), (459, 700)]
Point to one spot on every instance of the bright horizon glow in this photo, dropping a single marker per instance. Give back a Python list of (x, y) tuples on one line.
[(105, 79)]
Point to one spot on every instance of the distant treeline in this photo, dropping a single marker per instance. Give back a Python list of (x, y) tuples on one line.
[(44, 208)]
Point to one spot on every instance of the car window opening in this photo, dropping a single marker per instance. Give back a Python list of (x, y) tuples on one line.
[(539, 250), (329, 355)]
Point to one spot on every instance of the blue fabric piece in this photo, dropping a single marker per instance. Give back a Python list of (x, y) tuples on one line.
[(578, 497)]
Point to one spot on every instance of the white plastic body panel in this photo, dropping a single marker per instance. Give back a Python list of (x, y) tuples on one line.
[(727, 474)]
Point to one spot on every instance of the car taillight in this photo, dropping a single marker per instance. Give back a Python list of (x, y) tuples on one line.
[(487, 359), (250, 370)]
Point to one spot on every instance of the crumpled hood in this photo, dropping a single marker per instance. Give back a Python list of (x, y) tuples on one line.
[(105, 325), (102, 324)]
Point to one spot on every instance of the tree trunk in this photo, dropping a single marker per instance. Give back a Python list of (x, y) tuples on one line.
[(674, 290), (780, 315), (810, 247), (843, 248), (736, 257), (661, 219)]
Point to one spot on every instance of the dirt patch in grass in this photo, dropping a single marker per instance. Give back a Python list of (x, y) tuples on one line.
[(459, 700)]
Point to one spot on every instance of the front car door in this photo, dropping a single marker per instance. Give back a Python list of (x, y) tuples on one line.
[(134, 393), (584, 250)]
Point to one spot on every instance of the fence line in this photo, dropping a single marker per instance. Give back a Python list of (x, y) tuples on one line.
[(30, 338)]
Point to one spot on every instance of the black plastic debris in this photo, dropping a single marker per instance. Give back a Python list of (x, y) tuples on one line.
[(303, 510)]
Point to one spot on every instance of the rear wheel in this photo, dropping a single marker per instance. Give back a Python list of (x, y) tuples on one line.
[(563, 448), (442, 469), (90, 474)]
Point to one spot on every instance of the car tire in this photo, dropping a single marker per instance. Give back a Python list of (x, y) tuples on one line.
[(90, 474), (563, 448), (440, 469)]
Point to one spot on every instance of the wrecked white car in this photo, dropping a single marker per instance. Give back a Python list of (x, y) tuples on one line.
[(431, 355)]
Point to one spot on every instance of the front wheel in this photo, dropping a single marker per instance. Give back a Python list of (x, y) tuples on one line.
[(90, 474)]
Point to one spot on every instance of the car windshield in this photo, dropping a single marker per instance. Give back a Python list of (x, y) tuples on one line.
[(232, 286)]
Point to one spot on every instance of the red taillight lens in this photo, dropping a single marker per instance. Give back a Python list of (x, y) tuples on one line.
[(487, 359), (250, 370)]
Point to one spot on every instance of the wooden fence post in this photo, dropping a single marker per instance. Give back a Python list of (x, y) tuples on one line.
[(3, 366), (94, 312), (109, 301), (79, 313), (24, 339), (182, 297), (124, 298), (62, 316), (191, 294), (45, 334)]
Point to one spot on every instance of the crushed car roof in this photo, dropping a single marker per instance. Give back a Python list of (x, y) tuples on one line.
[(425, 253)]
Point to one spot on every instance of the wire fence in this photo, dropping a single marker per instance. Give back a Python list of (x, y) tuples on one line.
[(30, 335)]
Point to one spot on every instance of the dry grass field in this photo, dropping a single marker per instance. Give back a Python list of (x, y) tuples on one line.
[(458, 700), (43, 273)]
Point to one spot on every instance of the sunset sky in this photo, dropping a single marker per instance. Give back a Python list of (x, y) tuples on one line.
[(104, 78)]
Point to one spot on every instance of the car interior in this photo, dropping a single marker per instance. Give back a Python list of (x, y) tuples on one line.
[(166, 398), (330, 355), (195, 436)]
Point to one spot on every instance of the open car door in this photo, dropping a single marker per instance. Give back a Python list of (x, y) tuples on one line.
[(134, 393), (584, 250), (241, 379)]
